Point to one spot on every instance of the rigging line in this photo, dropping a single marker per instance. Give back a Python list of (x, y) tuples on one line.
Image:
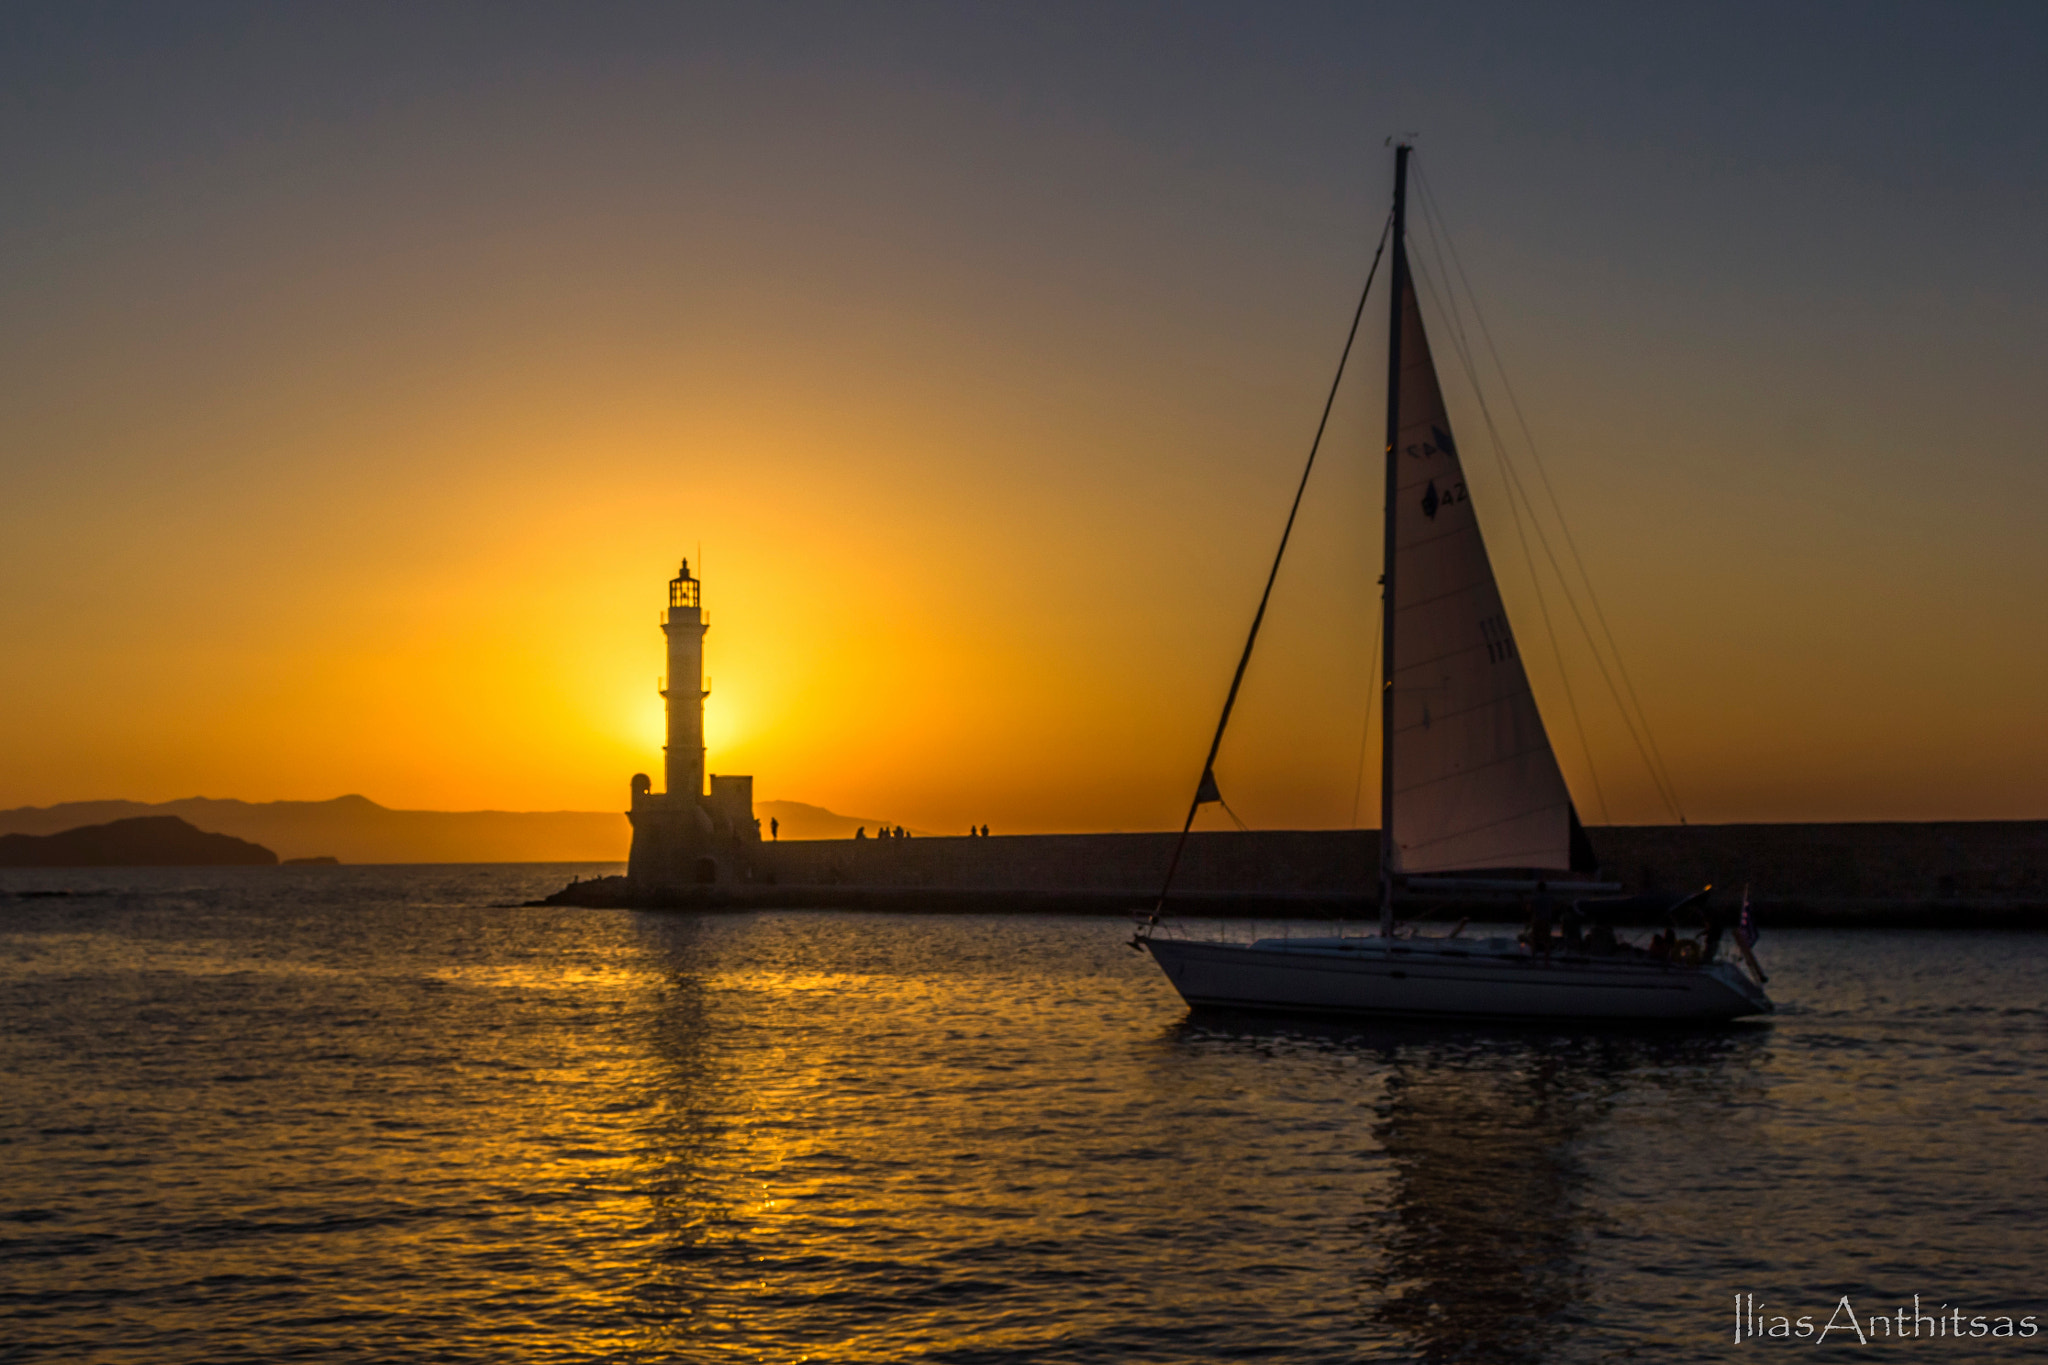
[(1515, 510), (1653, 757), (1237, 679), (1658, 777), (1518, 502), (1371, 698), (1557, 509), (1518, 489), (1543, 474)]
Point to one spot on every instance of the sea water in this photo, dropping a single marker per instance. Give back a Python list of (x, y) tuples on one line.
[(389, 1114)]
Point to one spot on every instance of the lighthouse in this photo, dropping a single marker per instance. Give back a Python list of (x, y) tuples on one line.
[(684, 624), (686, 833)]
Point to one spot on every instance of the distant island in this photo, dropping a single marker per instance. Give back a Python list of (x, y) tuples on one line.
[(356, 830), (145, 841)]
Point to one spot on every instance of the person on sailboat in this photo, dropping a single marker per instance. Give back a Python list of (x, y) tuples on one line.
[(1537, 936)]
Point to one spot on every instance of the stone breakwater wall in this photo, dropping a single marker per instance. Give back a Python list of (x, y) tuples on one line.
[(1975, 862), (1961, 873), (1283, 862)]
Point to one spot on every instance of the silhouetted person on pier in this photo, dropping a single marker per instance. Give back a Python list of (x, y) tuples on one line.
[(984, 831), (861, 833), (774, 828)]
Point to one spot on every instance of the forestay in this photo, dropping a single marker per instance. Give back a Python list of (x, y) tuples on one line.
[(1474, 782)]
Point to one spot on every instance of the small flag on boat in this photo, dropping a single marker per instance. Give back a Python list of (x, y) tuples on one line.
[(1746, 936)]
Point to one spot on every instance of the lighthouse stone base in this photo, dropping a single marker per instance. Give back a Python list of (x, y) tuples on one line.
[(685, 840)]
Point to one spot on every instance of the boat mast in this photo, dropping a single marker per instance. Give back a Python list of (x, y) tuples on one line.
[(1397, 294)]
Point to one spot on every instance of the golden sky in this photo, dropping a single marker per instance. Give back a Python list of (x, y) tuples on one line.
[(363, 378)]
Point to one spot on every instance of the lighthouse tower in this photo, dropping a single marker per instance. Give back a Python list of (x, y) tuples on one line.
[(685, 626), (687, 834)]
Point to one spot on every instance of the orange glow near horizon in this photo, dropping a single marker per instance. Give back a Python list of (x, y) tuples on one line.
[(936, 609)]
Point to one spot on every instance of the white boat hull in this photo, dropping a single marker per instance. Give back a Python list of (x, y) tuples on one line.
[(1452, 979)]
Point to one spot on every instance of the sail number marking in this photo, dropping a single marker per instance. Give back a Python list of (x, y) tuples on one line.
[(1432, 498), (1500, 641)]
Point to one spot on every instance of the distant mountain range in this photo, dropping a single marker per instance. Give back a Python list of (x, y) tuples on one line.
[(356, 829)]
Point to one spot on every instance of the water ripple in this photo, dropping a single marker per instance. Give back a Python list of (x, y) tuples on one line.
[(376, 1114)]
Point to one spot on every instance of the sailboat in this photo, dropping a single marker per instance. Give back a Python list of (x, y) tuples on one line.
[(1470, 790)]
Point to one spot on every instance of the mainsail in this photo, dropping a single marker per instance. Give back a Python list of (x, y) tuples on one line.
[(1473, 782)]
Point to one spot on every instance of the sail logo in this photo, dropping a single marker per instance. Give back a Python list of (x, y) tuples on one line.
[(1439, 442)]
